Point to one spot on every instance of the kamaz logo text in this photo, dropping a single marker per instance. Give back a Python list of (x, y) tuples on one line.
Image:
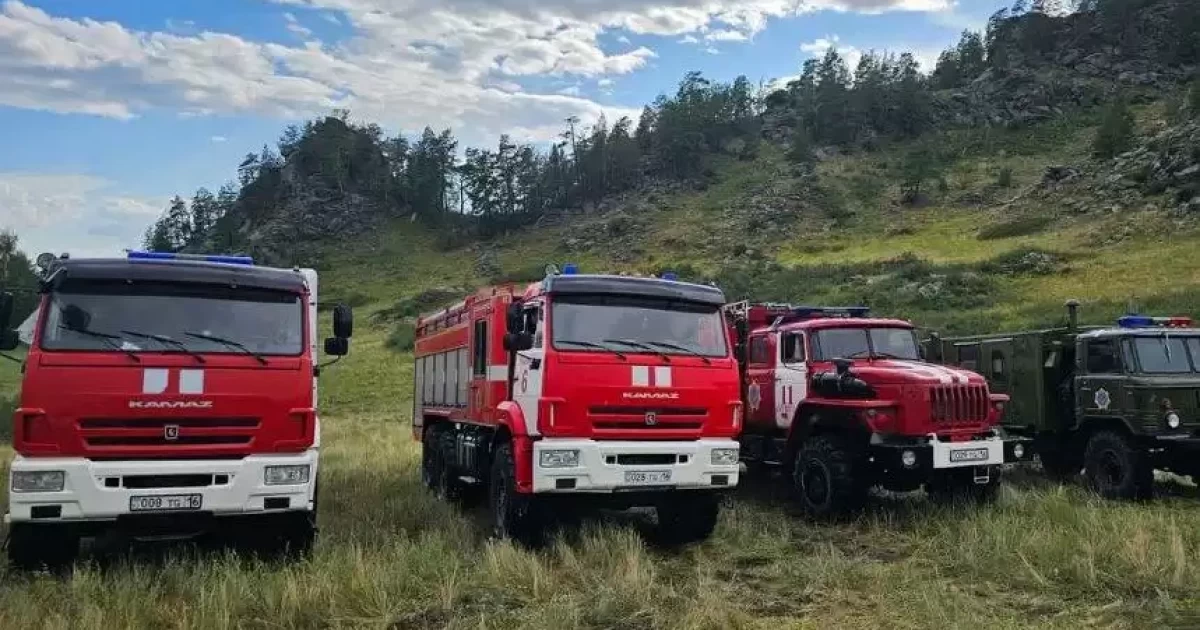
[(170, 404), (650, 395)]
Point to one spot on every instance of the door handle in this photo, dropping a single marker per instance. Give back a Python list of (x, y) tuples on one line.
[(535, 364)]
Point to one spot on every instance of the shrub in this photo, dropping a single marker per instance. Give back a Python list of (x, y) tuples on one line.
[(1020, 226), (1194, 99), (402, 337), (1115, 135), (1005, 178), (527, 273), (415, 305)]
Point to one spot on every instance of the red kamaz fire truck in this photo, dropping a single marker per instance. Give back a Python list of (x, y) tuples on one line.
[(618, 391), (844, 403), (168, 395)]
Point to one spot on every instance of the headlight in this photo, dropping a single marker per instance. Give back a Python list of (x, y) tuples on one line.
[(1018, 451), (38, 480), (286, 475), (908, 458), (724, 456), (559, 459), (1173, 420)]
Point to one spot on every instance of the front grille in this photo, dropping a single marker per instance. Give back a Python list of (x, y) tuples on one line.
[(960, 403), (140, 482), (647, 459), (648, 418), (167, 431)]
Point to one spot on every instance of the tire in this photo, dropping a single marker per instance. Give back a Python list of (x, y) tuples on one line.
[(1116, 468), (958, 486), (687, 518), (431, 461), (515, 516), (36, 547), (827, 478)]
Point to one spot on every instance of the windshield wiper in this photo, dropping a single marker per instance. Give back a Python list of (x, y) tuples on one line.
[(167, 341), (637, 344), (107, 339), (589, 344), (229, 343), (671, 346)]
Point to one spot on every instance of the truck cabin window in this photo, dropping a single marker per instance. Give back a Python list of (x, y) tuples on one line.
[(1164, 355), (793, 348), (1103, 357), (862, 343), (107, 316), (630, 325)]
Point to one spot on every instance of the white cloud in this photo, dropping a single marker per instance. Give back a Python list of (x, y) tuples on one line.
[(712, 50), (219, 139), (295, 27), (820, 46), (407, 63), (80, 214), (572, 90), (623, 40), (689, 39), (605, 83)]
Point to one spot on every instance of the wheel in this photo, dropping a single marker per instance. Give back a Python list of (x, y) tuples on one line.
[(1116, 469), (431, 461), (827, 478), (515, 516), (687, 518), (959, 486), (275, 537), (35, 547)]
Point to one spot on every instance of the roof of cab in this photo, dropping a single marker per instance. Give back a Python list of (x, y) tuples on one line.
[(633, 286), (818, 323), (199, 272)]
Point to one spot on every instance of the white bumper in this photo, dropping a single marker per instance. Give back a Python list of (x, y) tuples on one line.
[(603, 466), (89, 494), (987, 452)]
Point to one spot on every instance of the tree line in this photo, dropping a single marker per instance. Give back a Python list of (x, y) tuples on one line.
[(331, 164)]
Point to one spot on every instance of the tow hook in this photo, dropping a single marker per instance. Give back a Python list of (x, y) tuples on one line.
[(982, 475)]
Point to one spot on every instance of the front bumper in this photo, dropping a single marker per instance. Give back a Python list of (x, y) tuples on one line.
[(603, 466), (96, 491), (934, 454)]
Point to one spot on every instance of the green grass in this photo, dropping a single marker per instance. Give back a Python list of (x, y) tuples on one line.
[(390, 556)]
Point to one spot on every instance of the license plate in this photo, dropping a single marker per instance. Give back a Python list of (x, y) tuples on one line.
[(165, 503), (969, 455), (648, 478)]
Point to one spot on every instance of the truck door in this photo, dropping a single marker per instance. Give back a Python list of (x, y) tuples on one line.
[(527, 390), (760, 374), (791, 379), (1100, 391), (480, 402)]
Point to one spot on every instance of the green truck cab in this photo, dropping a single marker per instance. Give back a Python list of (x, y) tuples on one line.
[(1117, 402)]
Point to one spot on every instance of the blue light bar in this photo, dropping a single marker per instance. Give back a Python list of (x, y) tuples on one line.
[(831, 311), (214, 258), (570, 269), (1135, 321), (670, 275)]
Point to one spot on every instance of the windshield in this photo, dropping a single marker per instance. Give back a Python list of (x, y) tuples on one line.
[(855, 343), (1164, 355), (633, 325), (110, 316)]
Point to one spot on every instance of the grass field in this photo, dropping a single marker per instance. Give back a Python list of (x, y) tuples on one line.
[(1044, 555)]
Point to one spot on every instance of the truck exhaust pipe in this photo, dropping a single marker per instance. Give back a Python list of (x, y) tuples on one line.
[(1073, 315)]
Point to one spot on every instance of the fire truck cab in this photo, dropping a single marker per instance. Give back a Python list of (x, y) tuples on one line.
[(168, 395), (843, 402), (611, 391)]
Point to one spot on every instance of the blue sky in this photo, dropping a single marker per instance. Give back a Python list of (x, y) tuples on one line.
[(107, 109)]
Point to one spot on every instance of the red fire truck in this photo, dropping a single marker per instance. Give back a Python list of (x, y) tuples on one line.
[(613, 391), (843, 403), (168, 396)]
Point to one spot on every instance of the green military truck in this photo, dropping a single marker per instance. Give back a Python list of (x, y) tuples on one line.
[(1117, 401)]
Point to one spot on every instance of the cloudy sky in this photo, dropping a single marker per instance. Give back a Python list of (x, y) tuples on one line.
[(107, 109)]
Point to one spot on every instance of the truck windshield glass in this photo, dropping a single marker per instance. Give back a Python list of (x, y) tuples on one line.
[(265, 322), (1163, 355), (858, 343), (666, 326)]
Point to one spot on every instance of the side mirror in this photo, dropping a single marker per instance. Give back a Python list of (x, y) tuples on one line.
[(75, 318), (6, 311), (343, 322), (518, 341), (843, 366), (514, 321), (337, 346)]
